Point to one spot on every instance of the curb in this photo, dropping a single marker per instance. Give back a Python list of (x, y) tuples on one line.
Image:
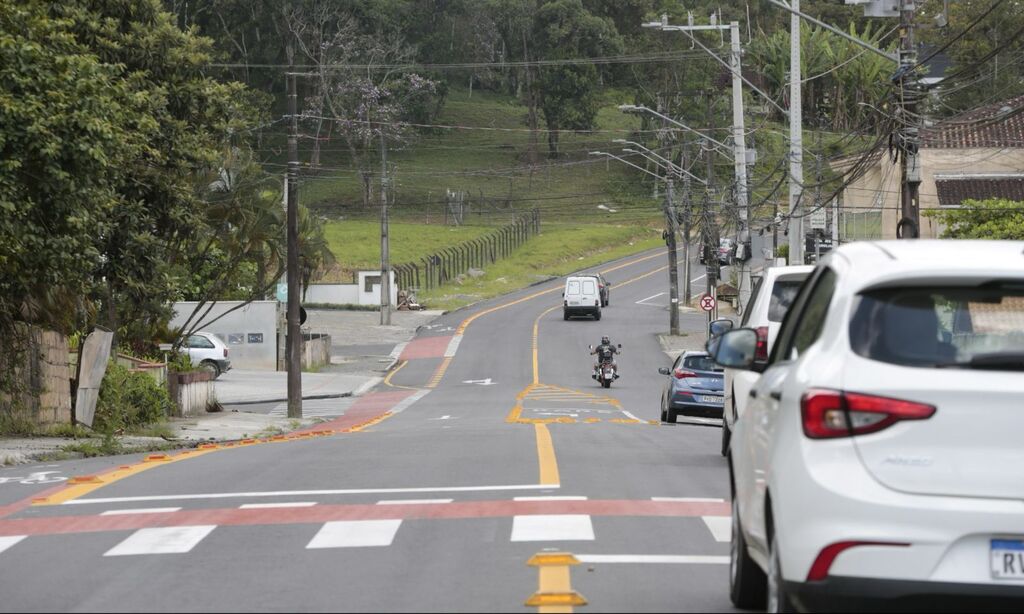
[(311, 397)]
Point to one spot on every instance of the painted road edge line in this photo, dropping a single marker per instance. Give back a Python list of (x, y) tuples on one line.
[(412, 501), (676, 559), (308, 493), (141, 510), (453, 346), (270, 506)]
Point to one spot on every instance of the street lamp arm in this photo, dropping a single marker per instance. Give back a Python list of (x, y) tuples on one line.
[(624, 161), (669, 166), (853, 39), (639, 107), (686, 30)]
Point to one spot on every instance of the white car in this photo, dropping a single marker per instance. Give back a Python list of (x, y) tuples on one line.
[(208, 352), (880, 456), (768, 303), (581, 297)]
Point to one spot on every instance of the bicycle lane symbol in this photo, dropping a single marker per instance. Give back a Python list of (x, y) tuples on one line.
[(36, 477)]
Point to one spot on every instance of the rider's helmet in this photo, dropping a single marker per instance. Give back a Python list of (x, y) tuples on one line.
[(605, 340)]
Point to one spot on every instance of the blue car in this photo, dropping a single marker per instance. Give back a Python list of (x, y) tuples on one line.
[(695, 387)]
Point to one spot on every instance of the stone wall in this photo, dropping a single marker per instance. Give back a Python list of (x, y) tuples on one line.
[(44, 379)]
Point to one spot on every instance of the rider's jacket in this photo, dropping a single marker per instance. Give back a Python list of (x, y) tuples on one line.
[(604, 352)]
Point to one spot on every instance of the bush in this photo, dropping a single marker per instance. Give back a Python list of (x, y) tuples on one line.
[(128, 400)]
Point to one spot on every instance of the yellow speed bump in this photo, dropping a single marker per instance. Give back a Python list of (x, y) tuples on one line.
[(85, 479), (544, 559), (571, 598)]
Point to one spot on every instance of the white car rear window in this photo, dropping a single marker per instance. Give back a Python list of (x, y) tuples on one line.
[(980, 327), (573, 287), (589, 287)]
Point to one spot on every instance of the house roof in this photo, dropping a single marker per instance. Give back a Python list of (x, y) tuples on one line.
[(954, 189), (997, 126)]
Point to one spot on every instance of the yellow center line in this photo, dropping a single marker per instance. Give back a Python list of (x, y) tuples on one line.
[(546, 456)]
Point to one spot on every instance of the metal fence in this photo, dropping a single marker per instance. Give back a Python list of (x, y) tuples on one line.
[(443, 266)]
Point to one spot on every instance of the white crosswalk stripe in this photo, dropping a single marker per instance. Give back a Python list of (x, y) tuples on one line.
[(161, 540), (355, 534), (6, 541), (553, 527)]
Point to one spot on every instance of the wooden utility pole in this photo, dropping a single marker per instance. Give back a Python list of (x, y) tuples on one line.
[(293, 343), (673, 259), (385, 241)]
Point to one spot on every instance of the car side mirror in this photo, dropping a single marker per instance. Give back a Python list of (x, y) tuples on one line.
[(620, 346), (720, 327), (664, 370), (590, 346), (735, 349)]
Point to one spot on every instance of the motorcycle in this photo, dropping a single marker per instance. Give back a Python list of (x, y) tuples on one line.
[(605, 372)]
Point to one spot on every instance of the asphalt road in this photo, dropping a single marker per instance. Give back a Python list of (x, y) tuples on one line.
[(490, 444)]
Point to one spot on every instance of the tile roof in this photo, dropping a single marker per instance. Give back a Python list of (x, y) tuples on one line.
[(954, 189), (998, 125)]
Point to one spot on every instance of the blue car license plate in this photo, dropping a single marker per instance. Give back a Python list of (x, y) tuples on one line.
[(1007, 557)]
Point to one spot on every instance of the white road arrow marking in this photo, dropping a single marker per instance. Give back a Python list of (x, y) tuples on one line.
[(481, 382)]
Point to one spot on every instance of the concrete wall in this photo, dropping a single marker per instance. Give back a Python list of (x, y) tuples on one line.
[(358, 293), (249, 332), (871, 204), (335, 294), (192, 393), (316, 351)]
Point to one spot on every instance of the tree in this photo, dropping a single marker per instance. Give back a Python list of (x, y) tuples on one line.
[(567, 93), (982, 219), (69, 127)]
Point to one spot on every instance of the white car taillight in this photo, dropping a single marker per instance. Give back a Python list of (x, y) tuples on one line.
[(832, 413)]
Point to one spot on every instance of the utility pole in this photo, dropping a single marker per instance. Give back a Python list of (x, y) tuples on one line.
[(796, 145), (293, 343), (673, 260), (740, 153), (687, 229), (909, 226), (385, 241)]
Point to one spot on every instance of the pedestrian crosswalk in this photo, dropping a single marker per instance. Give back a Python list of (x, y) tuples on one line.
[(315, 408), (551, 529)]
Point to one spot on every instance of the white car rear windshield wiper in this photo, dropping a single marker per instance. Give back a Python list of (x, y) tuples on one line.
[(996, 361)]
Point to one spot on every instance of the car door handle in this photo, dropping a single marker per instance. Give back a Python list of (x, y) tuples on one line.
[(776, 394), (753, 393)]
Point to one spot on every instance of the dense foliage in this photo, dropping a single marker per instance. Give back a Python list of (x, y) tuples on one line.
[(983, 219)]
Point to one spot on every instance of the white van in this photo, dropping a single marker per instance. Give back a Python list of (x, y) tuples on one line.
[(581, 297)]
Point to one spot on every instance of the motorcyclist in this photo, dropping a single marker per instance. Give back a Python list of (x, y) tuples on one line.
[(605, 353)]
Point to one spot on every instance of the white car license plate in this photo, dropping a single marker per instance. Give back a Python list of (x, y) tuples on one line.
[(1007, 559), (574, 303), (711, 399)]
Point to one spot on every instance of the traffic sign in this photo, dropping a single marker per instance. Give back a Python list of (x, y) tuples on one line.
[(707, 302)]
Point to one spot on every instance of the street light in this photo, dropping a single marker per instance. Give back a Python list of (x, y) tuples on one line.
[(672, 167), (639, 108)]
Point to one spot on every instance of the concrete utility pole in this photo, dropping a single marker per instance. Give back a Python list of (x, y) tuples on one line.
[(385, 241), (740, 152), (293, 343), (796, 146), (739, 149), (673, 260), (909, 226)]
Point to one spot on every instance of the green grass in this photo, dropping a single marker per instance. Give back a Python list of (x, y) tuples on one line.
[(356, 244), (560, 249), (492, 164)]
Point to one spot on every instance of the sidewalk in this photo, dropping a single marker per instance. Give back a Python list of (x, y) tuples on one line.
[(184, 433), (362, 352), (238, 387)]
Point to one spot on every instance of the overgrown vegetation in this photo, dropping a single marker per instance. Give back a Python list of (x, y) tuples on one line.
[(129, 400), (982, 219)]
